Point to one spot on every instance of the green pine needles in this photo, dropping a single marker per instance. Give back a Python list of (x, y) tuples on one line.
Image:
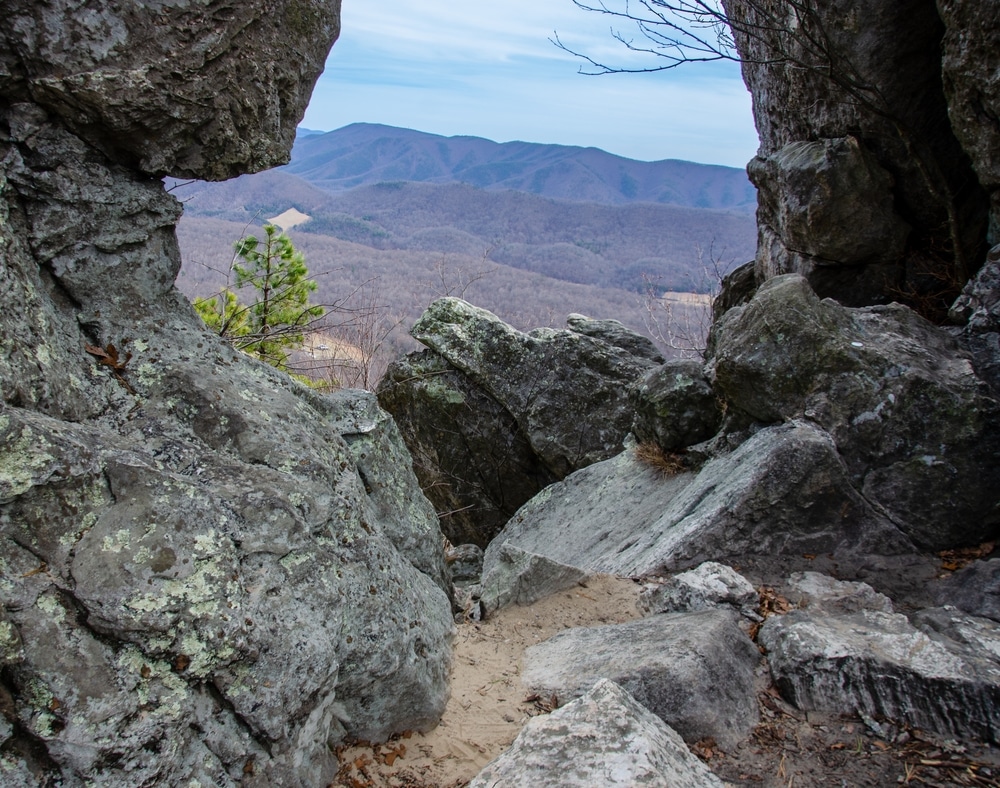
[(275, 322)]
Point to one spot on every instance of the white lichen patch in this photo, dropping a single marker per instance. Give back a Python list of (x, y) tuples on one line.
[(11, 647), (293, 560), (49, 605), (147, 374), (118, 541), (22, 464)]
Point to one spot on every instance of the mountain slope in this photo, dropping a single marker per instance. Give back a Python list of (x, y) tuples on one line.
[(366, 153)]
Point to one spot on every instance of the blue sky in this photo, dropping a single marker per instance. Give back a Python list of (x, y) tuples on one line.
[(487, 69)]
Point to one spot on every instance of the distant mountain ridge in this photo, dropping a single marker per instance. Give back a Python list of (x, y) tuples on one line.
[(366, 153)]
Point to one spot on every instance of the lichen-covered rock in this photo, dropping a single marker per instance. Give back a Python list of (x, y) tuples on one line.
[(978, 310), (692, 670), (208, 573), (880, 664), (783, 491), (567, 391), (615, 333), (917, 429), (602, 738), (472, 459), (675, 406), (208, 89)]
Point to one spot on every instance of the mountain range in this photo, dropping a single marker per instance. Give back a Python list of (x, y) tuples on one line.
[(367, 153)]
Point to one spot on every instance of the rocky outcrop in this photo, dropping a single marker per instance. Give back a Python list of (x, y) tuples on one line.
[(942, 675), (495, 414), (210, 573), (602, 738), (863, 186), (695, 671), (675, 406), (916, 428)]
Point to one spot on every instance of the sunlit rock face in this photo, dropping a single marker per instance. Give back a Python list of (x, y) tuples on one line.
[(208, 573)]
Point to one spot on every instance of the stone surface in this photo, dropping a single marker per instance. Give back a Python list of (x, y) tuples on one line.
[(567, 391), (693, 670), (603, 738), (970, 64), (517, 577), (871, 72), (707, 586), (675, 406), (615, 333), (209, 574), (915, 426), (204, 90), (821, 593), (471, 456), (831, 206), (880, 664), (974, 589), (783, 491)]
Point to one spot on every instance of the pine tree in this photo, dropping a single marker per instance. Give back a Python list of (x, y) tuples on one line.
[(275, 322)]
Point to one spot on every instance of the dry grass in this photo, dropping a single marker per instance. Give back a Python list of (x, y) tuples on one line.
[(667, 463)]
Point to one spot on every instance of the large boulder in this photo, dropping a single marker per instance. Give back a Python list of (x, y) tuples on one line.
[(602, 738), (472, 459), (206, 90), (783, 491), (695, 671), (918, 431), (941, 675), (855, 139), (495, 414), (210, 574)]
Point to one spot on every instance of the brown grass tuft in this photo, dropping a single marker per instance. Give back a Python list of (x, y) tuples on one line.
[(667, 463)]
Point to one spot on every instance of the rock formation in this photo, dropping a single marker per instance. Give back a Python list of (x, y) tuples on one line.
[(493, 414), (209, 573)]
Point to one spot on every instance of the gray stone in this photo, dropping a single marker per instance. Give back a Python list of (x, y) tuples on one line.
[(707, 586), (517, 577), (466, 563), (615, 333), (832, 208), (737, 287), (878, 663), (197, 90), (872, 72), (602, 738), (471, 457), (974, 589), (567, 391), (970, 63), (693, 670), (783, 491), (822, 593), (916, 428), (978, 307), (209, 573), (675, 406)]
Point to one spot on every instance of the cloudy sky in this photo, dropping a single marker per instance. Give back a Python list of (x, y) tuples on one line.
[(487, 69)]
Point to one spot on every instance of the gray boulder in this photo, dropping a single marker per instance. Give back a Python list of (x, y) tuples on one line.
[(602, 738), (974, 589), (821, 593), (675, 406), (471, 457), (695, 671), (707, 586), (517, 577), (192, 90), (917, 429), (783, 491), (978, 310), (567, 391), (616, 334), (831, 207), (856, 135), (210, 573), (879, 663)]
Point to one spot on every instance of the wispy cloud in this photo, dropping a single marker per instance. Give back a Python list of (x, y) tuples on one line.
[(488, 69)]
